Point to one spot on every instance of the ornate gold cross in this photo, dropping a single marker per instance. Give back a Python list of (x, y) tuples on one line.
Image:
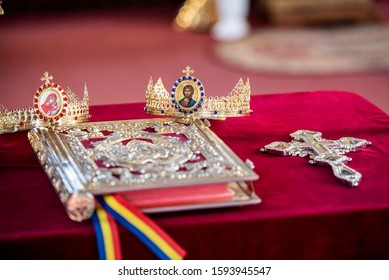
[(322, 152), (187, 71), (46, 78)]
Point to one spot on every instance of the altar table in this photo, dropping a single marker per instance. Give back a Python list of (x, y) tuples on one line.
[(304, 214)]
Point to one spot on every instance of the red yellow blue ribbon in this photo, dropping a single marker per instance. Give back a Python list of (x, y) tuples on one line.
[(142, 227), (107, 235)]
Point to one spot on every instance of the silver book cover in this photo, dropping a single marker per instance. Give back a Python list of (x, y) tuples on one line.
[(89, 159)]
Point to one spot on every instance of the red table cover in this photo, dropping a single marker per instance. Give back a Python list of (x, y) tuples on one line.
[(304, 214)]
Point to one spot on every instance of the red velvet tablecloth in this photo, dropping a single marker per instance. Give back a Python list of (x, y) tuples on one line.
[(304, 214)]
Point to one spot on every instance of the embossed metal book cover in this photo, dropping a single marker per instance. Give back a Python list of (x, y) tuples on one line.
[(167, 154), (167, 164)]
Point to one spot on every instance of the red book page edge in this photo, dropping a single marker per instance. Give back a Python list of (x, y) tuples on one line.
[(179, 195)]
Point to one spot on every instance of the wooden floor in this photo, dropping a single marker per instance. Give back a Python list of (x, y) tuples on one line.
[(116, 52)]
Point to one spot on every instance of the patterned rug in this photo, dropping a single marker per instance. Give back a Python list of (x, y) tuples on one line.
[(310, 50)]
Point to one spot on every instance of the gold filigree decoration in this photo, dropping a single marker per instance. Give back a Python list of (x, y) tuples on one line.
[(161, 102), (52, 105)]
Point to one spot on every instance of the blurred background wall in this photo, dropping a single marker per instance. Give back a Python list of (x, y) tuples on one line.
[(115, 46)]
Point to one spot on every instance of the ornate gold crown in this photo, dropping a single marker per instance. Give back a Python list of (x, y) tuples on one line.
[(52, 105), (187, 99)]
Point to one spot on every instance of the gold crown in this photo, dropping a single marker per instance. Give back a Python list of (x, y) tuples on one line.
[(187, 99), (52, 105)]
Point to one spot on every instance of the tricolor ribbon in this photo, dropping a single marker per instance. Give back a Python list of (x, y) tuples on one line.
[(139, 224), (107, 235)]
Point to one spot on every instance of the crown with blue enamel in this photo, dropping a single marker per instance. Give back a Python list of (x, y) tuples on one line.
[(187, 99)]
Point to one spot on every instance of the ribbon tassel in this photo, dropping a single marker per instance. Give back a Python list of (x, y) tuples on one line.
[(139, 224)]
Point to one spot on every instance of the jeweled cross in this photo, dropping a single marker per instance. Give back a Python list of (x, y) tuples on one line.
[(46, 78), (187, 71), (322, 152)]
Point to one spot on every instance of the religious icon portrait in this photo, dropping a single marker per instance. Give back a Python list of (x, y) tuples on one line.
[(187, 101), (187, 95), (50, 103)]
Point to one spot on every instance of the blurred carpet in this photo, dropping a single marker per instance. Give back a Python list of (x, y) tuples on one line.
[(316, 50)]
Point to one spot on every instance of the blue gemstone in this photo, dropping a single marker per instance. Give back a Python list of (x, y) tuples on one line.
[(215, 112), (190, 78), (195, 79), (176, 106), (173, 89), (202, 94), (240, 111), (190, 112), (172, 95), (179, 80), (199, 105), (199, 83), (202, 100), (162, 111), (180, 110), (184, 78), (346, 172), (195, 109), (201, 88), (173, 101), (175, 84), (184, 111)]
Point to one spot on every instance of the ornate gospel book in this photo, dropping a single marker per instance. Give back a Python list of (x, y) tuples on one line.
[(162, 164), (169, 163)]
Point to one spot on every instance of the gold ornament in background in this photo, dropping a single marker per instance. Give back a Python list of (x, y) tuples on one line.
[(197, 15)]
